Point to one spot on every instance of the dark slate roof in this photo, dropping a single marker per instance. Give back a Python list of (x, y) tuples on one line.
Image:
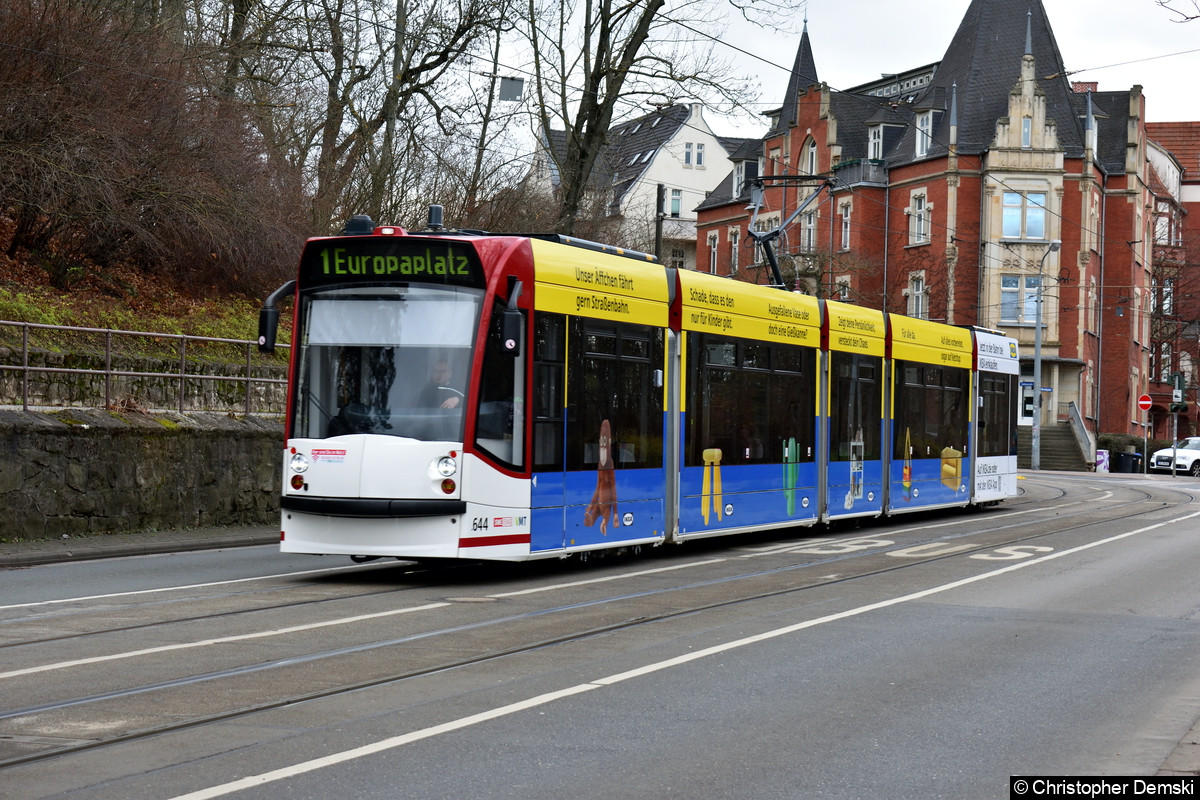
[(983, 61), (804, 74), (641, 137), (855, 113), (1111, 110), (723, 194)]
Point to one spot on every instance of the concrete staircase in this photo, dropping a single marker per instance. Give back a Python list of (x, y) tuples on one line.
[(1060, 452)]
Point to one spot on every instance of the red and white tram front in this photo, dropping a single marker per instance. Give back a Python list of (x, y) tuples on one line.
[(386, 343)]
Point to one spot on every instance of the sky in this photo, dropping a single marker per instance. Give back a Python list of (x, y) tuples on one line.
[(856, 41)]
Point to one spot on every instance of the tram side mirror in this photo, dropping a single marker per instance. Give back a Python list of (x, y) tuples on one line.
[(510, 331), (268, 327), (510, 320), (268, 317)]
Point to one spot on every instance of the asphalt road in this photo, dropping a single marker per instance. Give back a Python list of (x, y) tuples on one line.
[(936, 656)]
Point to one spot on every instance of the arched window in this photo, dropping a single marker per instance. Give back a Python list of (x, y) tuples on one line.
[(810, 158)]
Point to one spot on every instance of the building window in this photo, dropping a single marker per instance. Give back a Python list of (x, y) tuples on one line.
[(810, 157), (1026, 133), (875, 143), (678, 256), (918, 296), (808, 232), (699, 154), (924, 132), (845, 226), (842, 292), (712, 253), (918, 220), (1024, 215), (739, 178), (1018, 298), (687, 154), (676, 202), (1164, 362), (733, 251)]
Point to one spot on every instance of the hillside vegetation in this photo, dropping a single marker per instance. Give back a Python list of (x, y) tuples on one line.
[(119, 297)]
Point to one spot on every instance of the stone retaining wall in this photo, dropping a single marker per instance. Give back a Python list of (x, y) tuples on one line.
[(81, 471)]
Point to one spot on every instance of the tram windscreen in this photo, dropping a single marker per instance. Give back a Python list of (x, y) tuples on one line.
[(391, 360)]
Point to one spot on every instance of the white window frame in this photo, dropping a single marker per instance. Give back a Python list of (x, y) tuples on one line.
[(919, 218), (1026, 133), (687, 154), (846, 209), (676, 203), (733, 251), (808, 232), (699, 155), (1022, 216), (811, 164), (714, 240), (924, 137), (918, 295), (875, 143), (1021, 304)]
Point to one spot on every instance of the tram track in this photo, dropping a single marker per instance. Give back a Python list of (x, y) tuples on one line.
[(246, 711)]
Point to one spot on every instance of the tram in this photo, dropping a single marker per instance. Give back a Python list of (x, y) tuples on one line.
[(511, 397)]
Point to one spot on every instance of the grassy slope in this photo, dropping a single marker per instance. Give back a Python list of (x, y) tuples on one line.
[(121, 299)]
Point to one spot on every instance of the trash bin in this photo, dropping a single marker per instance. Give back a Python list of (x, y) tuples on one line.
[(1101, 461), (1127, 462)]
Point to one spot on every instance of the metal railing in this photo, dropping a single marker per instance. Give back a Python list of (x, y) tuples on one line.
[(160, 347)]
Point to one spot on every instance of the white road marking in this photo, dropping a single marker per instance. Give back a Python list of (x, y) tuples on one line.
[(513, 708), (221, 640), (86, 598)]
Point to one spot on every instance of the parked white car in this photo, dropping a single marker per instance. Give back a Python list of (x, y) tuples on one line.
[(1187, 457)]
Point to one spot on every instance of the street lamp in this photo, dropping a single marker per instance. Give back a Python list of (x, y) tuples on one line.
[(1035, 456)]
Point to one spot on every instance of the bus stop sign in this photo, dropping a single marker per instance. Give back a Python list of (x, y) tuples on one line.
[(1144, 402)]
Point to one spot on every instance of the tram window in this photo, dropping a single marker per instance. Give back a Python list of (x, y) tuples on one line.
[(739, 405), (549, 340), (997, 415), (611, 381), (756, 356), (635, 347), (930, 411), (498, 428), (601, 343), (855, 407), (791, 359)]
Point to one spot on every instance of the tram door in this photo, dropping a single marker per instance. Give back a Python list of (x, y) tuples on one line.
[(602, 453)]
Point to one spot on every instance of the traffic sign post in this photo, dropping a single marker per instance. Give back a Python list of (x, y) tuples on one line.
[(1144, 403)]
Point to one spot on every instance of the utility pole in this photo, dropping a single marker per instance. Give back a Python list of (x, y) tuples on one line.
[(1035, 456)]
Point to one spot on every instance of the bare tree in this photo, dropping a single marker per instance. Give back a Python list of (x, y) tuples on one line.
[(108, 153), (590, 58), (1182, 14)]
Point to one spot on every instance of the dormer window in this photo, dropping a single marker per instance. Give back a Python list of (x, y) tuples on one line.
[(875, 143), (924, 133)]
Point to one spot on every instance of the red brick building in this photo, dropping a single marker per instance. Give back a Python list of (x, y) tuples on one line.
[(985, 189)]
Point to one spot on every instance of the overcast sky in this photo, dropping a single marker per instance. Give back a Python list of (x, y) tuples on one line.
[(855, 41)]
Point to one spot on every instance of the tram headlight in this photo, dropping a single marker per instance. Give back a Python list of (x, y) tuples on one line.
[(299, 463), (446, 466)]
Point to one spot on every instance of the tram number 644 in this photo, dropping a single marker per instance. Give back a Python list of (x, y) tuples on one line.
[(479, 524)]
